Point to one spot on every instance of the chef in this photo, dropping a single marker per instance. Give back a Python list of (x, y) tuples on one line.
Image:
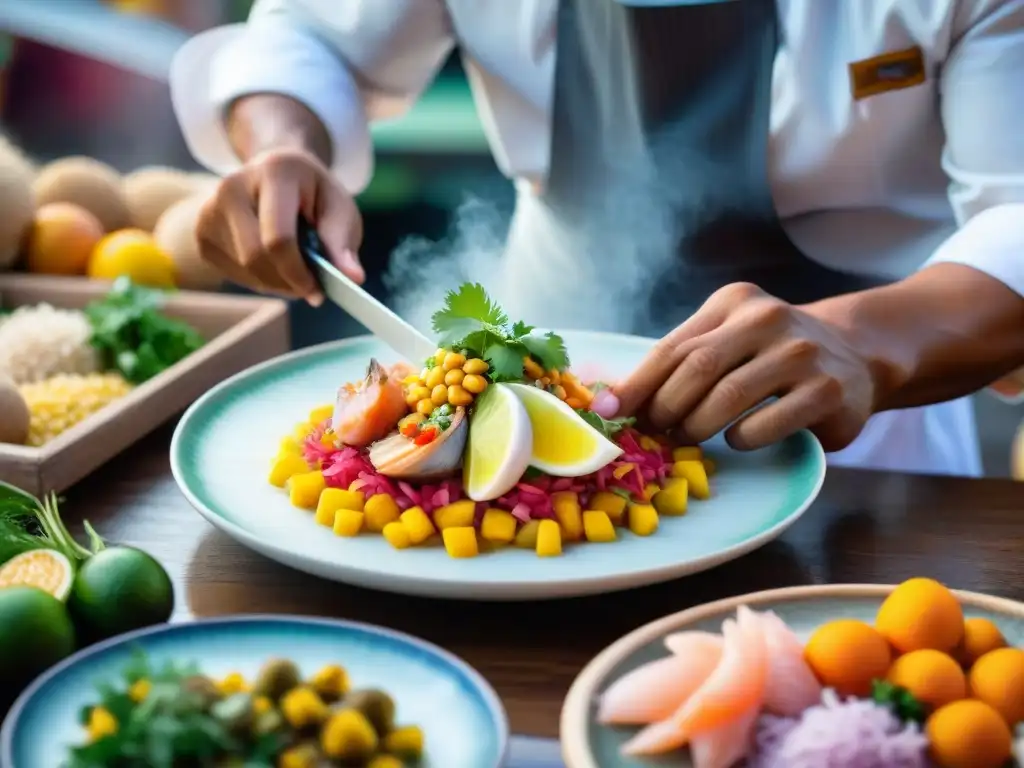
[(818, 206)]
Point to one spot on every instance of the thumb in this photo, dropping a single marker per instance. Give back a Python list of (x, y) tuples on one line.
[(341, 230)]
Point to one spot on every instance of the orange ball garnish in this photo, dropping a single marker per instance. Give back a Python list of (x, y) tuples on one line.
[(933, 677), (921, 613), (848, 655), (997, 678), (61, 239), (968, 734), (980, 636)]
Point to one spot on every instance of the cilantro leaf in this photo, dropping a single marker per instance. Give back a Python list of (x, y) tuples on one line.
[(465, 310), (607, 427), (549, 350), (900, 701), (520, 329), (506, 362)]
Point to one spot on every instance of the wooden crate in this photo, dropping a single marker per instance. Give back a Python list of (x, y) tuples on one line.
[(240, 332)]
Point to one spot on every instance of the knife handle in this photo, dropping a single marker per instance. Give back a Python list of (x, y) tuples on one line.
[(310, 247)]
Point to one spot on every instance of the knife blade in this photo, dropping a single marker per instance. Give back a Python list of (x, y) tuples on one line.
[(357, 302)]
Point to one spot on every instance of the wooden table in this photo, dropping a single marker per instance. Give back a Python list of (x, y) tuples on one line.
[(865, 527)]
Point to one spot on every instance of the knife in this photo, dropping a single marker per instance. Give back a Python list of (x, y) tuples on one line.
[(356, 301)]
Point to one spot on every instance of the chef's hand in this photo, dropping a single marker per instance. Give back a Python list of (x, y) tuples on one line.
[(247, 229), (740, 349)]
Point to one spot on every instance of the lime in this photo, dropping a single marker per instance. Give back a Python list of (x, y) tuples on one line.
[(564, 444), (117, 590), (498, 449), (45, 569), (35, 633)]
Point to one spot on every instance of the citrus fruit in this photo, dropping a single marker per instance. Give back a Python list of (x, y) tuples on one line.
[(848, 655), (117, 590), (968, 734), (980, 636), (45, 569), (564, 444), (921, 613), (135, 254), (498, 448), (35, 633), (997, 678), (62, 239), (933, 677)]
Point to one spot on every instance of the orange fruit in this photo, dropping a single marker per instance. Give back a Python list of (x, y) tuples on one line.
[(135, 254), (61, 239), (848, 655), (921, 613), (935, 678), (968, 734), (997, 678), (980, 637)]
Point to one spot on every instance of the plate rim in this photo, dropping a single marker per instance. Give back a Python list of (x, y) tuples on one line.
[(426, 586), (578, 701), (479, 682)]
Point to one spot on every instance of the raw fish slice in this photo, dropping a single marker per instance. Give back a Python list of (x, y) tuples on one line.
[(654, 691), (733, 689), (683, 643), (791, 686), (367, 411), (727, 745)]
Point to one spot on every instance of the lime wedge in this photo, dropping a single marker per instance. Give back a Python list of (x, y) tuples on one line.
[(45, 569), (498, 449), (564, 445)]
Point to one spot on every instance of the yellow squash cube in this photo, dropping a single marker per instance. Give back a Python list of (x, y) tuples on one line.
[(687, 453), (671, 500), (612, 504), (333, 499), (458, 514), (397, 535), (418, 524), (380, 509), (498, 525), (692, 470), (526, 536), (321, 414), (549, 539), (304, 489), (569, 514), (597, 526), (461, 541), (347, 522), (643, 519), (286, 466)]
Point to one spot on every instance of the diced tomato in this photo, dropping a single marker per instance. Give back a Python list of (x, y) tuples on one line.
[(427, 436), (410, 429)]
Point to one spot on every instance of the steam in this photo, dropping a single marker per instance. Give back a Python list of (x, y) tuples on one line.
[(603, 272)]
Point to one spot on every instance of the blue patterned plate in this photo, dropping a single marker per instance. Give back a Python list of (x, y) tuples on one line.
[(462, 718), (224, 444)]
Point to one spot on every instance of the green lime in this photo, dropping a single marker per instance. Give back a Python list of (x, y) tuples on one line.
[(117, 590), (35, 633)]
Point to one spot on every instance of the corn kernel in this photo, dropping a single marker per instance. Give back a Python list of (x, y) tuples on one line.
[(457, 396), (687, 453), (305, 488), (347, 522), (643, 519), (380, 509), (232, 683), (476, 366), (321, 414), (498, 525), (434, 377), (474, 384), (597, 526), (439, 356), (439, 395), (418, 524), (672, 499), (300, 756), (460, 541), (549, 539), (302, 707), (709, 466), (453, 361), (451, 378), (406, 742), (348, 733), (139, 690), (695, 475), (612, 504), (261, 705), (62, 401), (570, 517), (397, 535), (526, 536), (458, 514), (425, 406), (331, 682), (101, 724)]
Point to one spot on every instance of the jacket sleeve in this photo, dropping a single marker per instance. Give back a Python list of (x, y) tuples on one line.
[(349, 61)]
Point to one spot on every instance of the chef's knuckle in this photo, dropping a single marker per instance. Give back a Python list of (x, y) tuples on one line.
[(769, 312), (830, 392), (740, 292), (731, 392), (801, 351), (663, 348), (278, 242), (703, 362)]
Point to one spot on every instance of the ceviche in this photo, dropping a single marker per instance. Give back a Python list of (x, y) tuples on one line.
[(494, 442)]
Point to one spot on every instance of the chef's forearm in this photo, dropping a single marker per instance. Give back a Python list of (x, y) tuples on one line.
[(266, 121), (945, 332)]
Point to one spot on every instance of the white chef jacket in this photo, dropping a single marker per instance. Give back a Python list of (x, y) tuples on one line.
[(880, 185)]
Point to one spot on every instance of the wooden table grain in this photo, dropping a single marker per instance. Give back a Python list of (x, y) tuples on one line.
[(864, 527)]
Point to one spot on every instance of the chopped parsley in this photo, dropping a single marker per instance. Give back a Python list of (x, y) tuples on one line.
[(470, 320), (902, 702)]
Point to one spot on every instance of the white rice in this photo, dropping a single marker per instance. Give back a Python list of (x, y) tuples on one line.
[(41, 341)]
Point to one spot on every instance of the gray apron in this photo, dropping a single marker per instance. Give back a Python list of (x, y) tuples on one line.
[(660, 128)]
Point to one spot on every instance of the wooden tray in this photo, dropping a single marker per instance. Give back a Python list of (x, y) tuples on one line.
[(240, 332)]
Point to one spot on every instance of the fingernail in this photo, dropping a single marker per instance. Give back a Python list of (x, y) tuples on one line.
[(315, 299), (605, 404)]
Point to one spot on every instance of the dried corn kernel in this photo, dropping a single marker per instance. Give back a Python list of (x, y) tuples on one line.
[(692, 470), (643, 519), (458, 396), (455, 515), (57, 404), (418, 524), (347, 522), (597, 526), (380, 509), (454, 377), (232, 683), (570, 517), (460, 541), (302, 707), (549, 539), (476, 366), (474, 384), (612, 504), (101, 724), (331, 682), (671, 500), (498, 525), (439, 394), (687, 453), (526, 536), (304, 489), (397, 535), (453, 361)]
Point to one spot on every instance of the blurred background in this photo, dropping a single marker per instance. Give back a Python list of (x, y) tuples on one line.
[(88, 77)]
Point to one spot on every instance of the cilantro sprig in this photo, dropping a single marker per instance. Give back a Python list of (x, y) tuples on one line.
[(607, 427), (903, 704), (471, 320)]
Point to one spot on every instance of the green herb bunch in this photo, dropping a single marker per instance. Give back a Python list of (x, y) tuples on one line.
[(28, 523)]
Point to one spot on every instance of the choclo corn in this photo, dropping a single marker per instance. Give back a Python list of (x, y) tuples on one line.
[(61, 402)]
